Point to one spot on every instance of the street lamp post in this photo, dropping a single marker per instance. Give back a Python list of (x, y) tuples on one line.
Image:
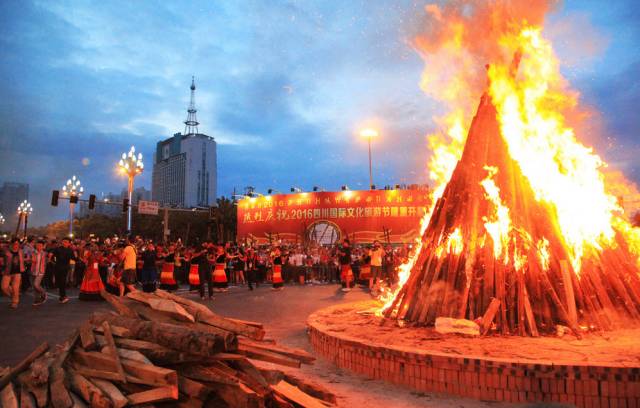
[(130, 165), (73, 190), (24, 209), (369, 134)]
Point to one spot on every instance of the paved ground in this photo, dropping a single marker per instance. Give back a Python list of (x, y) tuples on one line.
[(283, 313)]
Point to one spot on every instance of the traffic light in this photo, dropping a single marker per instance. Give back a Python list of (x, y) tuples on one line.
[(54, 198), (92, 201), (213, 213), (73, 199), (125, 205)]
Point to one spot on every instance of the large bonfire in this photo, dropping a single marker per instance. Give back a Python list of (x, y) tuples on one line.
[(524, 231)]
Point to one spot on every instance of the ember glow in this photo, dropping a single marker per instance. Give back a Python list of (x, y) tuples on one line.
[(533, 108)]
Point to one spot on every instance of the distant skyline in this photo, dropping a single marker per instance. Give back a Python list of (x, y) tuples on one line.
[(282, 86)]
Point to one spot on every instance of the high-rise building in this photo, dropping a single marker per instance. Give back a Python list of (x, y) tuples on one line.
[(185, 166), (11, 195)]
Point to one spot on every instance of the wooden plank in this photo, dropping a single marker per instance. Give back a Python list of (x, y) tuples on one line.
[(294, 353), (238, 395), (489, 315), (116, 396), (246, 322), (8, 397), (165, 306), (39, 390), (116, 331), (111, 345), (23, 365), (167, 393), (260, 354), (208, 374), (531, 321), (58, 385), (87, 338), (312, 388), (77, 401), (27, 400), (118, 305), (193, 388), (150, 374), (280, 402), (88, 391), (294, 394), (568, 291), (130, 354)]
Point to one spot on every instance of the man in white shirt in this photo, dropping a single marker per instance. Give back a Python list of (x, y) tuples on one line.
[(377, 253)]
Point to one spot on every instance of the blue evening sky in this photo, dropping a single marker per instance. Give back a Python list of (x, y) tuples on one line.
[(283, 86)]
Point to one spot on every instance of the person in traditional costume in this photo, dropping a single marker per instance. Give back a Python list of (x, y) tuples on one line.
[(220, 282), (344, 257), (276, 276), (91, 285)]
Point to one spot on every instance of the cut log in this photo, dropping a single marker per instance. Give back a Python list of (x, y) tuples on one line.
[(312, 388), (167, 393), (568, 292), (27, 400), (58, 385), (165, 306), (149, 374), (116, 396), (88, 391), (260, 354), (8, 397), (489, 315), (172, 336), (257, 325), (77, 401), (111, 345), (205, 315), (294, 353), (294, 394), (87, 338), (238, 395), (159, 317), (208, 374), (39, 390), (280, 402), (130, 354), (23, 365), (193, 388), (118, 305), (116, 331)]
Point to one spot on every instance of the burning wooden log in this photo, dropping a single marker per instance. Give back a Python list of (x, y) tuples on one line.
[(150, 352)]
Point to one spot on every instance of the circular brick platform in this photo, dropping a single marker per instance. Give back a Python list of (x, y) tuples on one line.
[(485, 378)]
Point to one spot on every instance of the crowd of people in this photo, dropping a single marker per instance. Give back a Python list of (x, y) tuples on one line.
[(122, 265)]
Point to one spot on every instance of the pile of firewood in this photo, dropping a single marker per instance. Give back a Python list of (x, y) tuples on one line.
[(162, 350)]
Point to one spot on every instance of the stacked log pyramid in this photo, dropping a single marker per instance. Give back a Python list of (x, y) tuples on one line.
[(162, 350), (533, 298)]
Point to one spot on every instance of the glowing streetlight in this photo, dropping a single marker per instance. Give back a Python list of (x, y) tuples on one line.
[(72, 189), (24, 210), (369, 134), (130, 165), (1, 219)]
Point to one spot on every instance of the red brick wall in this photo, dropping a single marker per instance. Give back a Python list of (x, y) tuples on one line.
[(492, 380)]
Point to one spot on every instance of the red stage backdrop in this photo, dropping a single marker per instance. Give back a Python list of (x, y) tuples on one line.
[(364, 216)]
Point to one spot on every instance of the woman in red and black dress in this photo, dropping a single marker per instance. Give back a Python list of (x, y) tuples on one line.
[(346, 274), (91, 282), (278, 283), (219, 274)]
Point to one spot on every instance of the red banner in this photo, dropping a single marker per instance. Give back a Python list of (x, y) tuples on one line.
[(325, 217)]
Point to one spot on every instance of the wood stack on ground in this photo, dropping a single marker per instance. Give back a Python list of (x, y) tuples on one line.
[(493, 252), (161, 349)]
